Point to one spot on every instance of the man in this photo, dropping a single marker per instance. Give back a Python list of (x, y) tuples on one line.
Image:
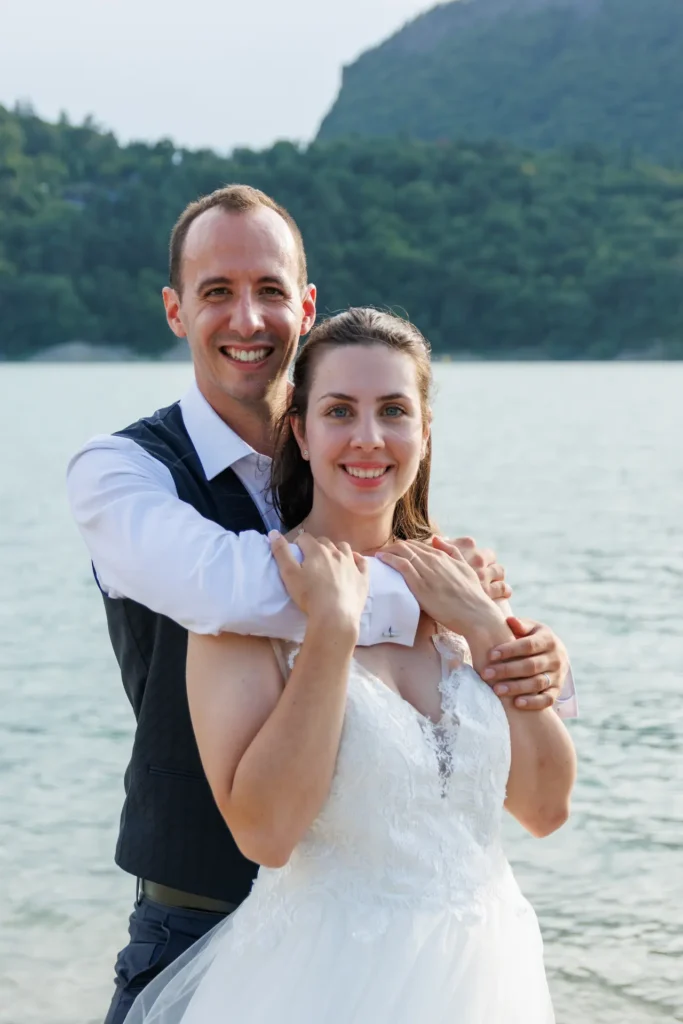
[(173, 509)]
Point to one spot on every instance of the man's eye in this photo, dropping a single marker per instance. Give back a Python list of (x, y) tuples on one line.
[(216, 293), (272, 290)]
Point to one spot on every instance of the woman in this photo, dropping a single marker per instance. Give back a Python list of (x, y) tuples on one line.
[(368, 783)]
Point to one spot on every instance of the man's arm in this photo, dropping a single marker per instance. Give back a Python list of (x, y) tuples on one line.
[(534, 668), (148, 545)]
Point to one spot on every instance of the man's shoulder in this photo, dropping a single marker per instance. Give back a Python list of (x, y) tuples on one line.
[(164, 437), (167, 418), (158, 439)]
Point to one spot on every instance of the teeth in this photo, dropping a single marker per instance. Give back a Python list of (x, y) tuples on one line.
[(366, 474), (254, 355)]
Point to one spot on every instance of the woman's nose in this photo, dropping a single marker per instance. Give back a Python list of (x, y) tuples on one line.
[(368, 435)]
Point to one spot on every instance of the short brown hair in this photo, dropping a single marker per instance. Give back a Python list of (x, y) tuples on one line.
[(233, 199), (291, 478)]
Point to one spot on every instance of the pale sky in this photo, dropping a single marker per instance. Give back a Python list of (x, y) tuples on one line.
[(216, 73)]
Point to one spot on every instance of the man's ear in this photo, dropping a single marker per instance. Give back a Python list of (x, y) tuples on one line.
[(172, 307), (308, 302)]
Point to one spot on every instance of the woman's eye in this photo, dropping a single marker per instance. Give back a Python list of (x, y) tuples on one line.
[(394, 410), (338, 412)]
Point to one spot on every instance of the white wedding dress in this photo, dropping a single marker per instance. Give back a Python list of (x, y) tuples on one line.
[(398, 907)]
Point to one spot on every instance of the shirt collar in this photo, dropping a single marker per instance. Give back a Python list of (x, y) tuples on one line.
[(216, 444)]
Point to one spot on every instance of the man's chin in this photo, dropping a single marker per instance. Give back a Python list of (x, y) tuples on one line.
[(251, 387)]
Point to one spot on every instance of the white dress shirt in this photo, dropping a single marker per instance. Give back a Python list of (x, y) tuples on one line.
[(151, 547)]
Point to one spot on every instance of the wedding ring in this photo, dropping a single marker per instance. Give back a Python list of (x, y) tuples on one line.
[(548, 680)]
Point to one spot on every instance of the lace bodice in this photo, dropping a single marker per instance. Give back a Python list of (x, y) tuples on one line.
[(414, 812)]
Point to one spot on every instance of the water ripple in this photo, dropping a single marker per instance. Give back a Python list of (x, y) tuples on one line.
[(588, 518)]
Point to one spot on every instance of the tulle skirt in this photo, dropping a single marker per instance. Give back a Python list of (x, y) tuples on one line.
[(334, 963)]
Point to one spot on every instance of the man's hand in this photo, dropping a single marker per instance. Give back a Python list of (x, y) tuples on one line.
[(531, 668), (491, 574)]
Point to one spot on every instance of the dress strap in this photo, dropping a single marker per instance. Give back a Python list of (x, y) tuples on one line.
[(285, 653), (453, 650), (280, 657)]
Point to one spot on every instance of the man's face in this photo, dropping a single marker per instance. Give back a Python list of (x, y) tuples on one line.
[(242, 308)]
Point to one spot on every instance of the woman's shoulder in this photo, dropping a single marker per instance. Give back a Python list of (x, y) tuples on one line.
[(240, 655)]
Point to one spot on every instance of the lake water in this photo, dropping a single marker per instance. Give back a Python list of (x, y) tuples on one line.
[(573, 472)]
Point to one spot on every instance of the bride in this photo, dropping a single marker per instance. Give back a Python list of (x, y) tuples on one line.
[(369, 783)]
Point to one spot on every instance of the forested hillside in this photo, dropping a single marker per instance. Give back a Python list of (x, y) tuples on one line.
[(490, 249), (538, 73)]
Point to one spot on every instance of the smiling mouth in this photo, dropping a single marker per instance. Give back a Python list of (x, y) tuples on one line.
[(366, 474), (246, 355)]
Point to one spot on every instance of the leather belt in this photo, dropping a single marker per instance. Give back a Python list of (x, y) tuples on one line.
[(169, 897)]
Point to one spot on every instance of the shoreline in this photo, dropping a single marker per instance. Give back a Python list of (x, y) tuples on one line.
[(84, 352)]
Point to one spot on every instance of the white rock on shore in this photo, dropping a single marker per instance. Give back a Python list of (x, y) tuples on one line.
[(85, 352)]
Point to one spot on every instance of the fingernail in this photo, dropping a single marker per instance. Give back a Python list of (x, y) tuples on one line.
[(489, 673), (521, 703), (495, 655), (273, 535), (501, 690)]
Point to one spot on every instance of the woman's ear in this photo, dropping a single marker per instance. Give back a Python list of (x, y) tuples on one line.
[(299, 435)]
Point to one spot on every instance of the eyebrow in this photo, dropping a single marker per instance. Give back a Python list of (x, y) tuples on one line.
[(349, 398), (210, 282)]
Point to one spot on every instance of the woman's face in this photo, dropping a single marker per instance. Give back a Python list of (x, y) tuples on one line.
[(364, 430)]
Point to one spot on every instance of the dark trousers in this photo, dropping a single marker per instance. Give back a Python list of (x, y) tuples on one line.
[(158, 936)]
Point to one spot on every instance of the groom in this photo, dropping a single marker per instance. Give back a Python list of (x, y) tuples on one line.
[(171, 509)]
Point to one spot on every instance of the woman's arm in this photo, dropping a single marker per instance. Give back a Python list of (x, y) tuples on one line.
[(268, 747), (542, 770), (543, 762)]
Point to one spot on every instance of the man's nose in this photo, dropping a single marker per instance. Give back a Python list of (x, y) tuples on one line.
[(246, 318)]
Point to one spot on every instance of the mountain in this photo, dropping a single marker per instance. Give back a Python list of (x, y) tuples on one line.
[(538, 73)]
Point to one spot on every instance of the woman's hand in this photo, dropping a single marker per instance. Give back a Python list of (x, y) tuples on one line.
[(444, 585), (484, 562), (331, 584)]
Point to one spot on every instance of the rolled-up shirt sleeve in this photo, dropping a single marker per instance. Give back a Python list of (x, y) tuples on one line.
[(567, 704), (148, 545)]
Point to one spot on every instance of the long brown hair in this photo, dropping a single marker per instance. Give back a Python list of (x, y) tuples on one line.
[(291, 478)]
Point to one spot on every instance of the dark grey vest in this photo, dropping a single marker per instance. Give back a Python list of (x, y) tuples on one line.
[(171, 831)]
